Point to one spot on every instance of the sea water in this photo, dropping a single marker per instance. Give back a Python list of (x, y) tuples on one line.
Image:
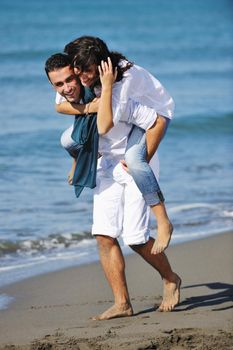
[(187, 45)]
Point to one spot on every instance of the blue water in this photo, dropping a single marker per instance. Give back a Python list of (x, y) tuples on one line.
[(187, 44)]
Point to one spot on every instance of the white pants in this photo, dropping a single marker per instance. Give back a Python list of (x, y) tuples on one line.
[(119, 208)]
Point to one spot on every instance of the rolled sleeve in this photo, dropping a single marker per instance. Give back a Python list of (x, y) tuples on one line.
[(140, 115), (59, 99)]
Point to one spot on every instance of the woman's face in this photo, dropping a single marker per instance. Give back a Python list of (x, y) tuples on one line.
[(89, 76)]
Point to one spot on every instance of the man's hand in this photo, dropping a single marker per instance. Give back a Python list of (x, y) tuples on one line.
[(71, 173), (124, 165)]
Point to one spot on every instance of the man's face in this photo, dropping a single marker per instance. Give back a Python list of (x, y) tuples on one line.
[(66, 83), (89, 76)]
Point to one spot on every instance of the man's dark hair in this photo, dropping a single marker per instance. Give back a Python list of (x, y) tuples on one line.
[(88, 50), (56, 62)]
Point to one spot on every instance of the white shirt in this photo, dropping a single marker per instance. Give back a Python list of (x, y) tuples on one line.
[(136, 99), (112, 148), (140, 86), (113, 144), (131, 98)]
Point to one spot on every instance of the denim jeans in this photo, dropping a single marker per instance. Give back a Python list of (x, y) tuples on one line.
[(139, 168), (68, 143)]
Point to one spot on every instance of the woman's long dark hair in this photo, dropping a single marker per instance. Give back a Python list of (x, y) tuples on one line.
[(88, 50)]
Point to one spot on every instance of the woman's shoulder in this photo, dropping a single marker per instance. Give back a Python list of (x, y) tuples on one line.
[(134, 69)]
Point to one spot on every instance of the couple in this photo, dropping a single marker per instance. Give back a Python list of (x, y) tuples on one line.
[(133, 113)]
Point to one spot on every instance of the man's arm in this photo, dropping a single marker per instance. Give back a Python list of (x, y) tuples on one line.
[(154, 135), (76, 108)]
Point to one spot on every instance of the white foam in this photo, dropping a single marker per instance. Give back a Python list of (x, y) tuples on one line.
[(5, 300), (185, 207), (19, 269), (227, 213)]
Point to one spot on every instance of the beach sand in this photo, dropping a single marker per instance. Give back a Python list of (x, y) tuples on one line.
[(53, 311)]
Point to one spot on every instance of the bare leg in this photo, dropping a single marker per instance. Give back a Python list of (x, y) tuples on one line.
[(171, 280), (113, 265), (72, 170), (154, 136), (164, 230), (136, 163)]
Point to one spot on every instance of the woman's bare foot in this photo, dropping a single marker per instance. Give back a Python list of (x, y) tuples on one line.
[(164, 234), (171, 294), (71, 173), (114, 312)]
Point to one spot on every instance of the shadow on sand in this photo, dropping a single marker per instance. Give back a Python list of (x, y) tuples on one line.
[(222, 293)]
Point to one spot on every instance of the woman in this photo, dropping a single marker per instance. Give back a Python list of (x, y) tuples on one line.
[(134, 88)]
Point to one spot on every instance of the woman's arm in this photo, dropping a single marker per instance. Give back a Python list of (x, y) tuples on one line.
[(75, 108), (105, 115)]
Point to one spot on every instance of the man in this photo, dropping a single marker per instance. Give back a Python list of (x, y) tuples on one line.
[(67, 84), (120, 210)]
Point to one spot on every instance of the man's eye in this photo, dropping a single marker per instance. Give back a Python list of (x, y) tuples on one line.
[(58, 84), (70, 79)]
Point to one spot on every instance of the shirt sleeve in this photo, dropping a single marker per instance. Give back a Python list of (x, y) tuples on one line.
[(59, 99), (120, 95), (141, 115), (133, 112), (140, 86)]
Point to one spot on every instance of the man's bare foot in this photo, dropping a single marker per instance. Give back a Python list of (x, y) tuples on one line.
[(163, 237), (114, 312), (171, 294), (71, 173)]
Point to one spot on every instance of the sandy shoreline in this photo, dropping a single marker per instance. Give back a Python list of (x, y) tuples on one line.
[(53, 311)]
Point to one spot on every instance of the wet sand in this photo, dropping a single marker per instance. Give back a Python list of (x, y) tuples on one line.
[(53, 311)]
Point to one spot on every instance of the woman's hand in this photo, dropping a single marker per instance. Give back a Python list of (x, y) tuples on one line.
[(105, 113), (107, 76)]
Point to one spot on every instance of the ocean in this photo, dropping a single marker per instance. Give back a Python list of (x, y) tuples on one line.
[(188, 46)]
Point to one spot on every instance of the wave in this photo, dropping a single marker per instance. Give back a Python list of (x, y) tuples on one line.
[(39, 245), (26, 55), (187, 219), (203, 124), (21, 266), (185, 207), (31, 79), (31, 142)]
